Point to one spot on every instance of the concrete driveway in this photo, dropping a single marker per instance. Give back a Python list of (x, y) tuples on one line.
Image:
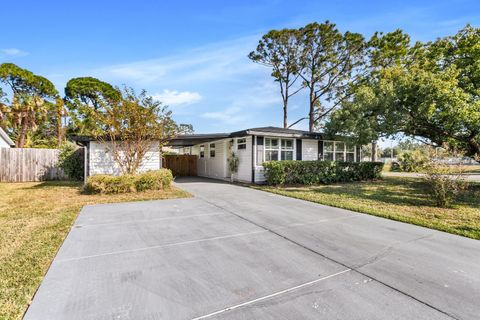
[(237, 253)]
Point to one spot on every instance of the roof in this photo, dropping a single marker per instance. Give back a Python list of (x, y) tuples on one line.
[(192, 139), (7, 139), (186, 140)]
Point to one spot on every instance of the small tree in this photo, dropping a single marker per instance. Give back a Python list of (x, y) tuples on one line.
[(133, 127)]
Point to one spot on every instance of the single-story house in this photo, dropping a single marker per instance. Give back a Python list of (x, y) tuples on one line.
[(5, 141), (257, 145), (252, 147)]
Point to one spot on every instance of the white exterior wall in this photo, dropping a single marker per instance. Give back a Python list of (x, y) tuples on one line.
[(3, 143), (309, 149), (101, 159), (244, 172)]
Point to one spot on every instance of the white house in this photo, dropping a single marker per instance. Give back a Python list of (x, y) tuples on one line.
[(5, 141), (252, 147), (257, 145)]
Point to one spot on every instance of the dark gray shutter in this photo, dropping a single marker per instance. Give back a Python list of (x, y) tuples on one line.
[(357, 150), (320, 149), (299, 149)]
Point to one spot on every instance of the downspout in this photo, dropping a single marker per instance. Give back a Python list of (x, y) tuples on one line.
[(253, 158)]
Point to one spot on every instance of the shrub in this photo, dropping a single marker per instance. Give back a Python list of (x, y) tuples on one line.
[(445, 183), (413, 161), (71, 161), (108, 184), (154, 180), (319, 172)]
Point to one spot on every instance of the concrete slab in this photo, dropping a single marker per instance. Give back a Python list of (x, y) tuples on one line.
[(238, 253)]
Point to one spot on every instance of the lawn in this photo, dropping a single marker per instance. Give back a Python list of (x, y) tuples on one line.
[(401, 199), (34, 220)]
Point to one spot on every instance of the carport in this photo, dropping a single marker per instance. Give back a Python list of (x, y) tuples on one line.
[(237, 253)]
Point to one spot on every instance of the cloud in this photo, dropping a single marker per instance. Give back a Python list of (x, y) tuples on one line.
[(232, 115), (212, 62), (13, 52), (174, 98)]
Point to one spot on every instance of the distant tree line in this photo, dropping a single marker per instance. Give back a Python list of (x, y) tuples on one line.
[(381, 87)]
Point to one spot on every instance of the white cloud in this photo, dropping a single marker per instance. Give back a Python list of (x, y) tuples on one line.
[(232, 115), (13, 52), (173, 98)]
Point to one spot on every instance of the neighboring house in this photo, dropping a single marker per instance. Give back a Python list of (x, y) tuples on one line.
[(99, 158), (5, 141), (257, 145)]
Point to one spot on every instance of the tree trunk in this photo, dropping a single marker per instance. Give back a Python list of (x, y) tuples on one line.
[(285, 125), (374, 151), (22, 134), (311, 113)]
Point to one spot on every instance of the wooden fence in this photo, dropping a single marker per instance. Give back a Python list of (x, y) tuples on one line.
[(27, 164), (181, 165)]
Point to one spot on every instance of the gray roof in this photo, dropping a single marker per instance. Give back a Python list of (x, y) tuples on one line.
[(5, 137), (192, 139)]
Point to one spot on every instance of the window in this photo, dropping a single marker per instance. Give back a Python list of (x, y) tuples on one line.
[(241, 144), (328, 151), (339, 151), (350, 154), (271, 149), (212, 150), (278, 149), (202, 151), (287, 150)]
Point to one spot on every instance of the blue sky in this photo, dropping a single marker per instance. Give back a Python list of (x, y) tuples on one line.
[(192, 55)]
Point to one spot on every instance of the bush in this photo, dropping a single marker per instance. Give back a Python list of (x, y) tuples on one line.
[(319, 172), (445, 183), (413, 161), (108, 184), (71, 161), (154, 180)]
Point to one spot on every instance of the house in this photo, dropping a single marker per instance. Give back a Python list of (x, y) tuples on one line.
[(252, 147), (257, 145), (5, 141), (99, 158)]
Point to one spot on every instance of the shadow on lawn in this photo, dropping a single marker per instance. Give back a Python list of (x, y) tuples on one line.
[(55, 184), (398, 192)]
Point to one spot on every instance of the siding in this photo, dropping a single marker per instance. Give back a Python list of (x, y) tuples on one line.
[(101, 160), (309, 149), (244, 161)]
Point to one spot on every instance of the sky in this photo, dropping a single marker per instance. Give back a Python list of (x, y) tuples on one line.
[(192, 55)]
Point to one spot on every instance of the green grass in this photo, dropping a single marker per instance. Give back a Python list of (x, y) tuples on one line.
[(34, 220), (401, 199)]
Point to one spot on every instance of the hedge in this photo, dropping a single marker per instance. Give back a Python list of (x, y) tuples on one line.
[(319, 172), (150, 180)]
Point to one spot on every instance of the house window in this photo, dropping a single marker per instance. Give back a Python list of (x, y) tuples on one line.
[(350, 153), (271, 149), (202, 151), (339, 151), (287, 150), (328, 154), (278, 149), (241, 144), (212, 150)]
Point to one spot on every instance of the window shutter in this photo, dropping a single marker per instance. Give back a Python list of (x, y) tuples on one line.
[(299, 149), (357, 151)]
